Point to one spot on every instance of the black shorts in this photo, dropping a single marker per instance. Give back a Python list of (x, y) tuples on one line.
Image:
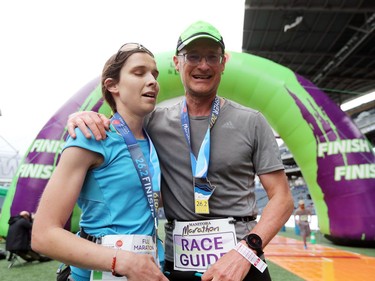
[(175, 275)]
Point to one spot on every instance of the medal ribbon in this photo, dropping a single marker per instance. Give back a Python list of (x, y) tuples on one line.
[(149, 175), (199, 165)]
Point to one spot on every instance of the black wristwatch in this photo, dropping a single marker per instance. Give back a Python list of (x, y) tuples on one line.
[(254, 242)]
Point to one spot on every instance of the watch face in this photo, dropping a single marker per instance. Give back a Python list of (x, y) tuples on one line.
[(254, 241)]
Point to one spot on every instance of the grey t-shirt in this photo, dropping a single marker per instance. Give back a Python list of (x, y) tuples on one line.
[(242, 145)]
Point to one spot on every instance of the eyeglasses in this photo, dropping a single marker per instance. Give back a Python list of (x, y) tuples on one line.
[(131, 47), (195, 59)]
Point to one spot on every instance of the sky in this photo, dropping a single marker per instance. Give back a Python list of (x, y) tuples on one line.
[(50, 49)]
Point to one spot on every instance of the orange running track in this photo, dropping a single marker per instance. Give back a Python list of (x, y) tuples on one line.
[(319, 263)]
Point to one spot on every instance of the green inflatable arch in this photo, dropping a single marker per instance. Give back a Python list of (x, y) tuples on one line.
[(336, 160)]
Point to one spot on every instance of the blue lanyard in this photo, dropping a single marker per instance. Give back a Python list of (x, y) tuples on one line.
[(147, 178), (199, 165)]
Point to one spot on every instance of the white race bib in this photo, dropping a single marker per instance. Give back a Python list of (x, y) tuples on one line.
[(198, 244), (140, 244), (304, 218)]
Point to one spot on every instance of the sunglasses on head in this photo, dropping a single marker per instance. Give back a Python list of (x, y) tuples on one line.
[(127, 47)]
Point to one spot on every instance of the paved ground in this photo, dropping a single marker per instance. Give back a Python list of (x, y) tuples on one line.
[(319, 263)]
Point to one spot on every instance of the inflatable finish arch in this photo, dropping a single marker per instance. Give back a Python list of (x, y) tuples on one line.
[(336, 160)]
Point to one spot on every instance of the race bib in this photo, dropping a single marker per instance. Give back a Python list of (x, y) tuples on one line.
[(140, 244), (304, 218), (198, 244)]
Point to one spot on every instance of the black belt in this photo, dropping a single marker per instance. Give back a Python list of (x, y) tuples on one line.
[(245, 219), (242, 219), (89, 237)]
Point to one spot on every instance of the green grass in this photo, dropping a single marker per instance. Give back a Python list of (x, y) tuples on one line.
[(47, 271), (28, 271)]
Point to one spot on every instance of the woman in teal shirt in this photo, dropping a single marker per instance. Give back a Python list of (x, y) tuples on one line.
[(113, 181)]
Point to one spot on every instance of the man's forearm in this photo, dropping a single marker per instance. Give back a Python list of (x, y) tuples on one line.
[(276, 213)]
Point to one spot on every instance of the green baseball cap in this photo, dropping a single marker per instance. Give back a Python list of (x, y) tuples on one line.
[(199, 29)]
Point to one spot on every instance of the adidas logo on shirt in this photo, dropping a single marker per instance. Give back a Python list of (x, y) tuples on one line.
[(228, 125)]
